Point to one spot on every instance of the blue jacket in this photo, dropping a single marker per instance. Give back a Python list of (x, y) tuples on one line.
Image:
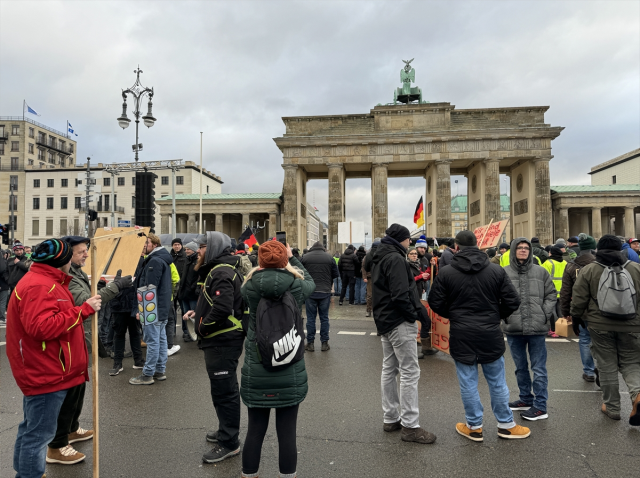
[(156, 270), (630, 253)]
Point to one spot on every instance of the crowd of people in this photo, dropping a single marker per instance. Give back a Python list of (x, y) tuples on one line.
[(234, 298)]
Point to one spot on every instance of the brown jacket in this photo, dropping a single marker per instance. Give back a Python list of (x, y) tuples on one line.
[(569, 279)]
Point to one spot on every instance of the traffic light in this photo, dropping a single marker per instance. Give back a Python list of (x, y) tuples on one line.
[(4, 231), (93, 215)]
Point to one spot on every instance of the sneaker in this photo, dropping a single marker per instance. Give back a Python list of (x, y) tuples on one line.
[(514, 433), (612, 415), (117, 368), (340, 303), (392, 427), (368, 313), (138, 366), (160, 377), (534, 414), (553, 335), (64, 456), (429, 350), (80, 435), (634, 418), (310, 347), (325, 347), (519, 405), (588, 378), (465, 431), (219, 453), (212, 436), (417, 435), (142, 380), (173, 350)]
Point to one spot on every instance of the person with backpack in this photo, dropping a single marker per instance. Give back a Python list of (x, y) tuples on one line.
[(606, 297), (274, 373), (218, 323)]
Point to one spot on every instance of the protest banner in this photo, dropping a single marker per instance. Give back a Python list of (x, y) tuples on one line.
[(439, 330), (490, 234)]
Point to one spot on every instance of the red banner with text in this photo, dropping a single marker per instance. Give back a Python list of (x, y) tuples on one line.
[(489, 235)]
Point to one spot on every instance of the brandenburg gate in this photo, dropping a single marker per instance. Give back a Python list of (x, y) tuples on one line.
[(431, 140)]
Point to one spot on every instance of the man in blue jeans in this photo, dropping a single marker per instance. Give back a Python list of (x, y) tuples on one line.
[(527, 328), (322, 267), (475, 295)]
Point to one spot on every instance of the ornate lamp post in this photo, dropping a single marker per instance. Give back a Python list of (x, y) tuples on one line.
[(137, 92)]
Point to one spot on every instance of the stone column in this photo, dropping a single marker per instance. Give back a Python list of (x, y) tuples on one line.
[(192, 225), (596, 222), (543, 201), (492, 190), (336, 204), (219, 224), (379, 199), (245, 222), (181, 223), (273, 225), (619, 222), (562, 227), (584, 223), (443, 198), (629, 222), (165, 223), (290, 203)]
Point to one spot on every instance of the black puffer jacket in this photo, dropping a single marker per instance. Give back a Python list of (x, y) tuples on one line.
[(394, 291), (360, 254), (179, 260), (188, 279), (322, 268), (474, 295), (348, 261)]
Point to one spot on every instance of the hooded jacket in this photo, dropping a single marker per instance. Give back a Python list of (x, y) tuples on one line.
[(156, 270), (348, 261), (18, 270), (630, 253), (360, 254), (189, 279), (537, 294), (569, 279), (321, 267), (179, 259), (474, 295), (261, 388), (446, 257)]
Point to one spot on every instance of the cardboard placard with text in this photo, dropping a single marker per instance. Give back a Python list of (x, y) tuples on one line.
[(439, 330), (489, 235)]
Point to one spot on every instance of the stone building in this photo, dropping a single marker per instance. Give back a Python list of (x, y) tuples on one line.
[(28, 145), (314, 226)]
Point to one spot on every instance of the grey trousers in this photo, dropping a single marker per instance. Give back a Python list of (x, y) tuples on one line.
[(616, 351), (400, 357)]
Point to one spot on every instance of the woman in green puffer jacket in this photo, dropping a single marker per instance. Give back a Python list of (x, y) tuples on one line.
[(261, 390)]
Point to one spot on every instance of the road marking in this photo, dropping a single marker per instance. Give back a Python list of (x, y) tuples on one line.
[(585, 391), (374, 333), (351, 333), (557, 340), (2, 343)]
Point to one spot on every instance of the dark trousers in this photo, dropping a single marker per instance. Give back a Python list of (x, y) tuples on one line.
[(69, 415), (222, 363), (348, 279), (171, 327), (122, 321), (286, 422)]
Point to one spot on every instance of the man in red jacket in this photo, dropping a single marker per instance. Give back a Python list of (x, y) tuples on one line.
[(46, 350)]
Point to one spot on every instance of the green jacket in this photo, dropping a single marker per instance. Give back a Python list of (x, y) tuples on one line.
[(259, 387), (80, 287)]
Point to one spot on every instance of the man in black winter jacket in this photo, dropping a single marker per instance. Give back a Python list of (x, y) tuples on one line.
[(187, 292), (323, 269), (347, 267), (396, 306), (475, 295)]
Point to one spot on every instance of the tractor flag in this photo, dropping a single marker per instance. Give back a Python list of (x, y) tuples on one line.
[(418, 216), (248, 238)]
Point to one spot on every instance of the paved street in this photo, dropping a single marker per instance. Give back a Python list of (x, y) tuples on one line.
[(159, 431)]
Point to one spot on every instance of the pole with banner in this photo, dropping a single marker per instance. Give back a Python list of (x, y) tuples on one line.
[(94, 368)]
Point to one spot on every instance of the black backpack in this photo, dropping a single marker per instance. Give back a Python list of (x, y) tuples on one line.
[(279, 332)]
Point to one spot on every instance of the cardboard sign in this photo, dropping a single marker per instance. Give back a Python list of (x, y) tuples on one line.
[(490, 235), (439, 330)]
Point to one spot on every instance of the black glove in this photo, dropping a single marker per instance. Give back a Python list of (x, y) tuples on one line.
[(576, 322), (102, 284), (122, 282)]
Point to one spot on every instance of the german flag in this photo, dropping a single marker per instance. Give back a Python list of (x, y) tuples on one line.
[(418, 216), (248, 238)]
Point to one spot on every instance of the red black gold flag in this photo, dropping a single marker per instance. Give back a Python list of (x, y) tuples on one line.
[(418, 216), (248, 238)]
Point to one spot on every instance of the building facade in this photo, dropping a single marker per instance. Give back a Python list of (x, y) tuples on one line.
[(314, 226)]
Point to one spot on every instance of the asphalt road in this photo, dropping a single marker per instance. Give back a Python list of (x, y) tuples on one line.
[(159, 430)]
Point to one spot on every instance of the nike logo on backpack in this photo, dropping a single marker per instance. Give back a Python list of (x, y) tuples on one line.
[(286, 345)]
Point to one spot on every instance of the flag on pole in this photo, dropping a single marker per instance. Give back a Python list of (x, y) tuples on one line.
[(418, 216), (248, 238), (70, 129), (31, 110)]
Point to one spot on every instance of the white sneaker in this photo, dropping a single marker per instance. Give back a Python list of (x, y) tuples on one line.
[(173, 350)]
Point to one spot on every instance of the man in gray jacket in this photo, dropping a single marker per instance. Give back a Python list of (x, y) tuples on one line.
[(527, 328)]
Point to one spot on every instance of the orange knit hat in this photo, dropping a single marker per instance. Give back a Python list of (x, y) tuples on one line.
[(272, 255)]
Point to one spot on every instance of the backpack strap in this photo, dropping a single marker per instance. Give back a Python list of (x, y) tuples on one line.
[(236, 323)]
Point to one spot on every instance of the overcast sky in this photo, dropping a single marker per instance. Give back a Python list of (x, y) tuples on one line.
[(233, 69)]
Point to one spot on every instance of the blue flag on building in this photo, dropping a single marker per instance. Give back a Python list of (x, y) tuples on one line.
[(31, 110), (70, 129)]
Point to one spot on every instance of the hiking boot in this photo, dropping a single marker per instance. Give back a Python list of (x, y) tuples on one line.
[(519, 405), (174, 349), (138, 365), (310, 347), (160, 377), (588, 378), (417, 435), (325, 347), (219, 453), (465, 431), (534, 414), (212, 437), (612, 415), (634, 418), (392, 427), (142, 380), (117, 368), (64, 456), (514, 433), (80, 435)]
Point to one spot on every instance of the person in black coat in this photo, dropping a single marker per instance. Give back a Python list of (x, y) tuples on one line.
[(347, 265), (475, 295), (323, 269), (188, 289)]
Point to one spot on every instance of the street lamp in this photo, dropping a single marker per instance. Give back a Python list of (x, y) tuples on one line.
[(138, 92)]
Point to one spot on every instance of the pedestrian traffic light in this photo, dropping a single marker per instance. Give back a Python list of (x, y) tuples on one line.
[(93, 215)]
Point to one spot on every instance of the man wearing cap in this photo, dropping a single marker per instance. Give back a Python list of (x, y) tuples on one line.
[(18, 265), (573, 243), (502, 250), (396, 308), (538, 251), (47, 352), (629, 249)]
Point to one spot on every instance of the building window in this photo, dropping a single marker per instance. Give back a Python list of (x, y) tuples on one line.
[(78, 182), (49, 183), (106, 181), (62, 161), (613, 178), (207, 189), (133, 181), (42, 137), (165, 180), (40, 155), (49, 203), (180, 180), (13, 203), (35, 227), (70, 148), (78, 202), (31, 148), (63, 227), (15, 130), (13, 183), (49, 231), (63, 202), (36, 203), (31, 132), (30, 162), (120, 181), (1, 148), (51, 158), (456, 217), (52, 141), (133, 202), (14, 163), (64, 183), (15, 146)]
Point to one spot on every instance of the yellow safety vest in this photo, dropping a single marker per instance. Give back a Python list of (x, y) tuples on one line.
[(555, 270)]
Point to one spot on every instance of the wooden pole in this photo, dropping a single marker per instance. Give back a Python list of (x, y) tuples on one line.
[(94, 372)]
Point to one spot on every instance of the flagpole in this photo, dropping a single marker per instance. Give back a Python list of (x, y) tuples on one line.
[(200, 228), (23, 103)]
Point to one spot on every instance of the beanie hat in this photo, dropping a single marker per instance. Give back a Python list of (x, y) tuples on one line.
[(398, 232), (491, 252), (53, 252), (422, 242), (466, 239), (555, 251), (610, 242), (561, 242), (192, 246), (177, 240), (535, 239), (240, 247), (273, 255), (586, 243), (17, 245), (573, 240), (504, 245)]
